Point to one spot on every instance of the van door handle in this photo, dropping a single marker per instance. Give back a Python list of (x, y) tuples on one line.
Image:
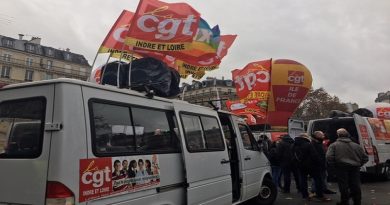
[(224, 161), (247, 158)]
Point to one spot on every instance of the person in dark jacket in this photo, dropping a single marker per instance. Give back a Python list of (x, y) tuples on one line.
[(274, 159), (317, 141), (347, 157), (287, 164), (308, 162)]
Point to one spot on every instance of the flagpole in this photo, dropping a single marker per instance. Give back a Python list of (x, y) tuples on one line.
[(268, 97), (131, 62), (216, 89), (184, 90), (94, 60), (104, 68)]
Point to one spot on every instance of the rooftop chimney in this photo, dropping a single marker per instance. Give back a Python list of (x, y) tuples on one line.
[(67, 49), (36, 40), (20, 36)]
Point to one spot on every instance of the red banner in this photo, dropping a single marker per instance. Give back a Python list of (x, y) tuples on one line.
[(101, 177), (366, 139), (379, 128), (252, 84), (115, 38), (163, 26), (95, 178), (383, 112)]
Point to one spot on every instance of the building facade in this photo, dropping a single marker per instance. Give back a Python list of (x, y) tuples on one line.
[(27, 60), (383, 97), (211, 89)]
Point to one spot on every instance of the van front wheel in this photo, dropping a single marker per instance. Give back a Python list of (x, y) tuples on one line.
[(268, 193)]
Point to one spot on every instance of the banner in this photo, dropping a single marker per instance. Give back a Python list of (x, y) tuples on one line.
[(252, 87), (244, 107), (101, 177), (204, 44), (366, 140), (379, 127), (383, 112), (163, 26), (188, 66), (114, 41)]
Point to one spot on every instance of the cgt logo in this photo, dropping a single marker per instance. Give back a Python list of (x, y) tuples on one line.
[(383, 113), (296, 77), (166, 27), (250, 79), (92, 175)]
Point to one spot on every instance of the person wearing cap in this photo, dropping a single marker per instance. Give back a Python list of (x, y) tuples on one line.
[(347, 157)]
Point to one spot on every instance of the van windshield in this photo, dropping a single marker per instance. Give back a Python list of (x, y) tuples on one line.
[(21, 127)]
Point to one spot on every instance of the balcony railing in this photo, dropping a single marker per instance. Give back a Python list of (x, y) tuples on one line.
[(72, 73)]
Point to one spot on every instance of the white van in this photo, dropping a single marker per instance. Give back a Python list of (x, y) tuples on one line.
[(372, 134), (71, 142)]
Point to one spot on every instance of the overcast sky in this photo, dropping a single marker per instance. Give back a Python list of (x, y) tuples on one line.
[(345, 44)]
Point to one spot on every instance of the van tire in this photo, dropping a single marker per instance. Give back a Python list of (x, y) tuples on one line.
[(268, 193)]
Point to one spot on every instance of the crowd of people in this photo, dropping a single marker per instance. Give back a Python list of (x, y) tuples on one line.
[(308, 156)]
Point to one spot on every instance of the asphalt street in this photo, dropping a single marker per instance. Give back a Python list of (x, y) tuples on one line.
[(374, 192)]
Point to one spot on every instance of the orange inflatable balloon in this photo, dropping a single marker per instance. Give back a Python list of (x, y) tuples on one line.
[(290, 82)]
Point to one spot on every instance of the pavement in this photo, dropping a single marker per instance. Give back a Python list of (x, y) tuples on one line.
[(374, 192)]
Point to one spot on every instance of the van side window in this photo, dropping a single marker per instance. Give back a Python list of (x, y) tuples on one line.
[(247, 139), (212, 133), (21, 127), (113, 129), (202, 133), (157, 134), (124, 130)]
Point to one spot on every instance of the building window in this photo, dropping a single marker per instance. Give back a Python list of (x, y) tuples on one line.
[(30, 48), (50, 52), (29, 62), (5, 71), (7, 57), (8, 43), (29, 75), (49, 64), (48, 76), (68, 68), (83, 71), (67, 56)]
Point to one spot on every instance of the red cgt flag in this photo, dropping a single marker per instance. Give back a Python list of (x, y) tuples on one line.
[(253, 88), (253, 80), (163, 26), (116, 37)]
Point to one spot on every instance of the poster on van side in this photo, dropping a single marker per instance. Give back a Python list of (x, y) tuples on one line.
[(366, 140), (100, 177), (379, 128)]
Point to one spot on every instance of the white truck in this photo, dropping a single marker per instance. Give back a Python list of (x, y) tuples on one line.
[(71, 142), (372, 134)]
